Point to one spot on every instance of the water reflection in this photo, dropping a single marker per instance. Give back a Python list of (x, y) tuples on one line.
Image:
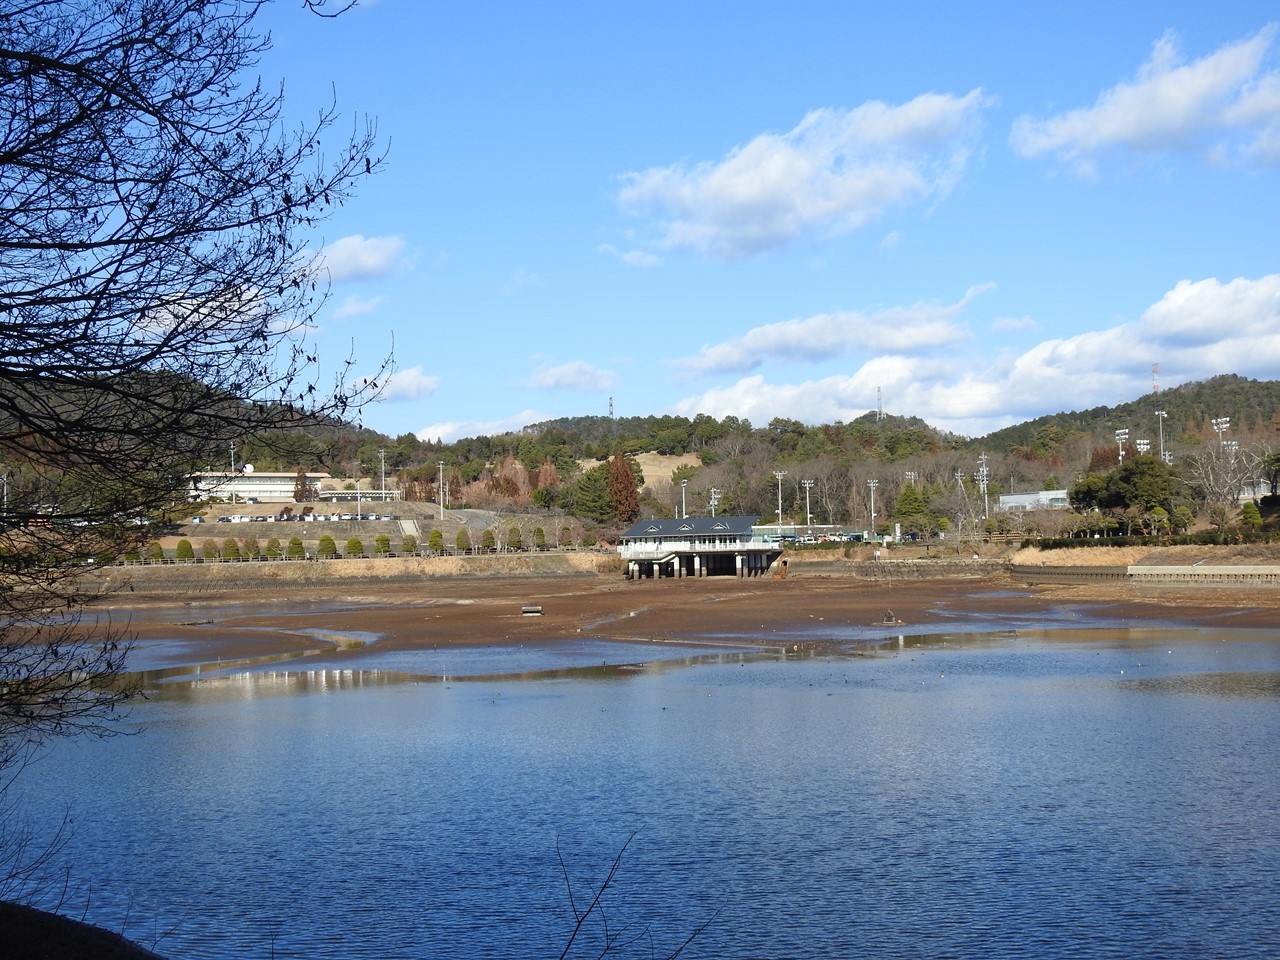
[(1013, 793), (1143, 658)]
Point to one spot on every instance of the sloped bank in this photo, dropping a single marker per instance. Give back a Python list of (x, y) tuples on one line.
[(800, 564), (293, 576)]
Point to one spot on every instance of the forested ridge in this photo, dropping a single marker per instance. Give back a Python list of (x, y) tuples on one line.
[(828, 468)]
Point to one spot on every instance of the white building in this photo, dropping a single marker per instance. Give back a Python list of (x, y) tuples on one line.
[(250, 487), (1042, 500)]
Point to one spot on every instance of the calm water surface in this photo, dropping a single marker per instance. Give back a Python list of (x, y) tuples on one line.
[(1082, 793)]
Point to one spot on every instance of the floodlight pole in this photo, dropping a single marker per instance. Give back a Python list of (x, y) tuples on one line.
[(1121, 437), (808, 513), (1220, 426), (440, 492), (779, 474), (684, 511), (1160, 415)]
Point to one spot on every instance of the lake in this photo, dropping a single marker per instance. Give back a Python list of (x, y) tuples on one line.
[(1028, 792)]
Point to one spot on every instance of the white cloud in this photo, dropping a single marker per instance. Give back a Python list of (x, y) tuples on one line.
[(1010, 324), (574, 375), (359, 258), (821, 337), (451, 430), (522, 279), (1197, 330), (632, 258), (1172, 105), (410, 384), (357, 306), (836, 170)]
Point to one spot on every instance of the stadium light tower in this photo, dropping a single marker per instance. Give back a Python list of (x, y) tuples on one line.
[(1160, 417), (1220, 426), (871, 485), (778, 475), (808, 514)]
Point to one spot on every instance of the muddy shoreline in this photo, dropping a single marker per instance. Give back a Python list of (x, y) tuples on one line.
[(469, 611)]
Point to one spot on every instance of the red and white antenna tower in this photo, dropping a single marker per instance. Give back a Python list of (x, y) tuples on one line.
[(1155, 378)]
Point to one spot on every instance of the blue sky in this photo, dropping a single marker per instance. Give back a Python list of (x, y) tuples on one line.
[(974, 214)]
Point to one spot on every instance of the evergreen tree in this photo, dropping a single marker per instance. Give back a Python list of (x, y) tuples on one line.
[(1251, 516), (624, 498), (589, 498)]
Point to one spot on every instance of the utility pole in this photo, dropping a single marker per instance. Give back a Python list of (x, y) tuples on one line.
[(982, 477), (715, 499), (440, 492), (871, 485), (1121, 437)]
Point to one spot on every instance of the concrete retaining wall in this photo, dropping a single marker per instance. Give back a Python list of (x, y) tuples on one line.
[(1201, 575)]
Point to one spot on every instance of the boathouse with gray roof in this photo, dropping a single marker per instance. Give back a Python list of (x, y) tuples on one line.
[(697, 547)]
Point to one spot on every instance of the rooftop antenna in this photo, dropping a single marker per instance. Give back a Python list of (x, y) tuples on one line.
[(1155, 378)]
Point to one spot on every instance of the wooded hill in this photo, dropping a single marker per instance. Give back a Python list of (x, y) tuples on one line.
[(544, 464)]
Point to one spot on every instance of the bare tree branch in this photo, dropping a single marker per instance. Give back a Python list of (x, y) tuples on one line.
[(158, 276)]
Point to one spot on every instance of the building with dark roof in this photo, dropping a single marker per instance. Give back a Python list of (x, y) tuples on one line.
[(697, 547)]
